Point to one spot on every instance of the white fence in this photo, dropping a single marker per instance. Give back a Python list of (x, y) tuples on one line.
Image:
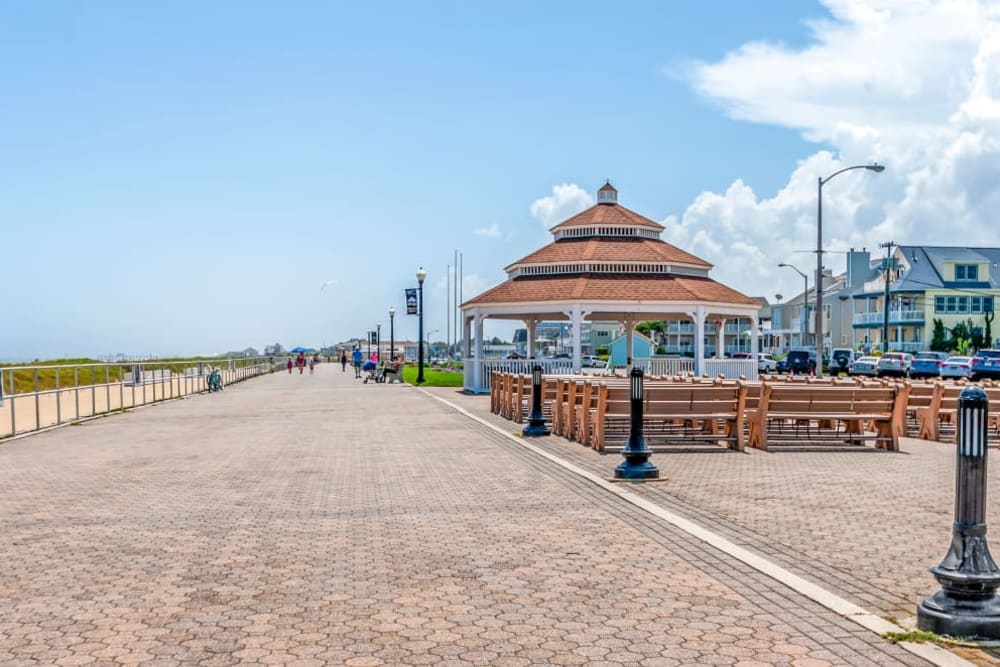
[(477, 373)]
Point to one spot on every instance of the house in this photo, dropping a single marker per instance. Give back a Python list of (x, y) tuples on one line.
[(922, 284), (642, 348)]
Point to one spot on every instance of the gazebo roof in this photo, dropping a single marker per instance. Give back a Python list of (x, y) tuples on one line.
[(608, 214), (611, 250), (611, 288)]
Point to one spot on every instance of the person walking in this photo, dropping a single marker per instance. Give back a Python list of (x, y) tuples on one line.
[(343, 361), (300, 363), (289, 364), (356, 357), (312, 364)]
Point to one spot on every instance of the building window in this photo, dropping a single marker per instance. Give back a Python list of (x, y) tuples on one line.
[(966, 272)]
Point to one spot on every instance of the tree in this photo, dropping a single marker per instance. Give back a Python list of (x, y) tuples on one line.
[(496, 341), (989, 328), (939, 343)]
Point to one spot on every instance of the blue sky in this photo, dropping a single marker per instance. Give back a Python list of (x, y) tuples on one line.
[(181, 178)]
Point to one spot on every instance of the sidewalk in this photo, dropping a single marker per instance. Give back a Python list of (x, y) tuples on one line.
[(316, 520)]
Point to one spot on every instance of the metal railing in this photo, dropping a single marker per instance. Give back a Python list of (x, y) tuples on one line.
[(33, 398)]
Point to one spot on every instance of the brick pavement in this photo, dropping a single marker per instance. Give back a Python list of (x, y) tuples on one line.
[(314, 520)]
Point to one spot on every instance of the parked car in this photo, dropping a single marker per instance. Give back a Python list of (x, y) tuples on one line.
[(895, 363), (957, 367), (766, 363), (801, 361), (864, 366), (986, 364), (590, 361), (781, 366), (840, 359), (927, 364)]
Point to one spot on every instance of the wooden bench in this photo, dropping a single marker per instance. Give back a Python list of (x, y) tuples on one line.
[(811, 415), (673, 413), (943, 410)]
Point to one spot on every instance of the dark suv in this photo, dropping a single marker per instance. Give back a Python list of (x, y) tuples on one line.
[(800, 361), (986, 364)]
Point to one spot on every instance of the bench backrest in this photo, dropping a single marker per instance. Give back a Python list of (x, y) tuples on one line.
[(817, 399)]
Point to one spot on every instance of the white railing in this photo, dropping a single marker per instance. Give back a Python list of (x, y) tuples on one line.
[(732, 368), (664, 365), (894, 316), (476, 373)]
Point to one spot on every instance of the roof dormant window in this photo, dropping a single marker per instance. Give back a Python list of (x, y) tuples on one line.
[(967, 272)]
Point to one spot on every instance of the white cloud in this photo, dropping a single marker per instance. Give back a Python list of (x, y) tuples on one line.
[(913, 84), (565, 200), (491, 232)]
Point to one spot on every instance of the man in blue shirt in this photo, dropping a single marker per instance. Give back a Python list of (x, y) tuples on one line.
[(356, 357)]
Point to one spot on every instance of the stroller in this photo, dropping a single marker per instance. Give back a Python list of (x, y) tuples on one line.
[(369, 367), (214, 380)]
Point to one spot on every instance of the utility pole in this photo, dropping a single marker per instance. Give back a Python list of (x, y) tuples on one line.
[(888, 245)]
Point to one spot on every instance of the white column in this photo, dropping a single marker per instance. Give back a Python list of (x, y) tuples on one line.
[(480, 360), (720, 339), (699, 340), (575, 318), (754, 335), (467, 335), (532, 325)]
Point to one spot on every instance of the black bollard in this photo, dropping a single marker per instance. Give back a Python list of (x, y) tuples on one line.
[(636, 464), (967, 604), (536, 420)]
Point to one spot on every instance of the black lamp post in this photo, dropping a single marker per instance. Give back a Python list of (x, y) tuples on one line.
[(536, 420), (820, 182), (967, 604), (636, 464), (378, 341), (421, 274), (370, 332), (392, 333)]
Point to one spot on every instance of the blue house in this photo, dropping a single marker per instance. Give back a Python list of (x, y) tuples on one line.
[(642, 347)]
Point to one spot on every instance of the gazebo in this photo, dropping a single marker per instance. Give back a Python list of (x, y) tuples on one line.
[(606, 263)]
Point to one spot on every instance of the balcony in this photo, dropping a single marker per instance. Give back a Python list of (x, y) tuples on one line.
[(895, 317)]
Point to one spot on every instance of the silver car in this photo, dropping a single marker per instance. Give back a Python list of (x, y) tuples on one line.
[(957, 367), (863, 366), (895, 363)]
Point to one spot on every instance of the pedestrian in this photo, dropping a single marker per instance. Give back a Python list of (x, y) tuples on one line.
[(289, 364), (312, 364), (343, 361), (300, 363), (356, 357)]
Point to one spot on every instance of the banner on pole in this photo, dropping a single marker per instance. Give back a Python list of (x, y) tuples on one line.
[(411, 301)]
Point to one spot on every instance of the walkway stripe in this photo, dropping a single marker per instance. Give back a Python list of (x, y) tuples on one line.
[(866, 619)]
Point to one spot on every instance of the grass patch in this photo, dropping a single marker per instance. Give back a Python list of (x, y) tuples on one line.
[(918, 637), (433, 377)]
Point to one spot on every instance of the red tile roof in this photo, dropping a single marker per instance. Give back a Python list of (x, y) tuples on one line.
[(608, 214), (622, 289), (611, 250)]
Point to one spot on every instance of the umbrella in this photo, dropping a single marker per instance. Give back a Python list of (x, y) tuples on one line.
[(298, 349)]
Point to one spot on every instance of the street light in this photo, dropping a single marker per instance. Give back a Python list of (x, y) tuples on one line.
[(421, 274), (378, 341), (804, 324), (429, 334), (392, 333), (820, 182)]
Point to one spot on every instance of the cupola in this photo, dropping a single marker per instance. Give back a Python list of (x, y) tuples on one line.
[(607, 194)]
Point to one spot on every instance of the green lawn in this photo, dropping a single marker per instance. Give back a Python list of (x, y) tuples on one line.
[(433, 377)]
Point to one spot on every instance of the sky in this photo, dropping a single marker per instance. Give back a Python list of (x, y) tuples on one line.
[(189, 178)]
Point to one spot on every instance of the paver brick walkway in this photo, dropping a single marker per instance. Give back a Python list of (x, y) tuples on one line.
[(314, 520)]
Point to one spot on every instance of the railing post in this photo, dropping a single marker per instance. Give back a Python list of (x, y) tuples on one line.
[(967, 604), (636, 464), (536, 421)]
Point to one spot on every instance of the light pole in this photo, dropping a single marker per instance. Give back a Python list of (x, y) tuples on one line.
[(804, 323), (421, 274), (820, 182), (429, 334), (378, 341), (392, 333)]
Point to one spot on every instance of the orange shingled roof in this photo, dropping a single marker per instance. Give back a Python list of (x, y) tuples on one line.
[(611, 250), (618, 288), (608, 214)]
